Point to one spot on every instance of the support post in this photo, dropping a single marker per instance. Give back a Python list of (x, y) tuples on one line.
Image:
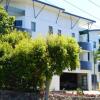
[(73, 24), (58, 17), (38, 13), (89, 81)]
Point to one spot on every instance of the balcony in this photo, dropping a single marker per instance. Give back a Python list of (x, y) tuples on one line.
[(85, 65), (16, 11), (24, 30), (86, 46)]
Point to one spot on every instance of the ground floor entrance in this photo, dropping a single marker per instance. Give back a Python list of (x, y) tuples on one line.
[(72, 81)]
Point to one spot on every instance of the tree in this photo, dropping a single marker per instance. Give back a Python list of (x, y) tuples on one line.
[(5, 54), (8, 44), (96, 57), (33, 62), (63, 52), (27, 64), (6, 21)]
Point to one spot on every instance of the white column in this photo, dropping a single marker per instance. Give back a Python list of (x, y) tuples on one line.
[(55, 83), (89, 79)]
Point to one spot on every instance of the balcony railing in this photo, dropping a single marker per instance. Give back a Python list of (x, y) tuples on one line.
[(15, 11), (86, 46), (85, 65), (24, 30)]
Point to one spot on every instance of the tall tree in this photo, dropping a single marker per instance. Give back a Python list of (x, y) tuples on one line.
[(63, 53)]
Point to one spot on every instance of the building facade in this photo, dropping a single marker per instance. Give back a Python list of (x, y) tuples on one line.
[(40, 18)]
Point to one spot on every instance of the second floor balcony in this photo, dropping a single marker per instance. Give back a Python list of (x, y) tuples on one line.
[(85, 46), (15, 11), (85, 65)]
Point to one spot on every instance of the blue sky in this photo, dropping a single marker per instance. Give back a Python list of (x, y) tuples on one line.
[(86, 5)]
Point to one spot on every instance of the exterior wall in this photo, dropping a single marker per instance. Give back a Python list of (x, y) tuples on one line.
[(89, 81), (55, 83), (47, 17)]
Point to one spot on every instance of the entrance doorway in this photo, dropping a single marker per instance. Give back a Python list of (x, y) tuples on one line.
[(72, 81), (68, 81)]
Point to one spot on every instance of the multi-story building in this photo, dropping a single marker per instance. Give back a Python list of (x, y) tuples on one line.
[(38, 17)]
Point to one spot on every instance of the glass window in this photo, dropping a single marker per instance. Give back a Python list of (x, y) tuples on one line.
[(33, 26), (94, 44), (50, 30), (99, 41), (18, 23), (73, 34), (59, 32)]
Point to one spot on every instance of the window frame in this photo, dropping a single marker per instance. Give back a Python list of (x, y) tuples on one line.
[(33, 28), (50, 30), (59, 32)]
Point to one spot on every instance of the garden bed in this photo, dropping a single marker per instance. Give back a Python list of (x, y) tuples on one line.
[(71, 96), (11, 95)]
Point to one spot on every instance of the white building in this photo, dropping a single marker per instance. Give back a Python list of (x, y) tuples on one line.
[(38, 17)]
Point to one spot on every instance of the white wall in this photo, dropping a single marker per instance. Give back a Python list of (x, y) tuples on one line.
[(55, 83), (46, 18)]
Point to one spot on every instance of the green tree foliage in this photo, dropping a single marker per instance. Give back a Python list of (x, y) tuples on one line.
[(63, 53), (8, 44), (30, 62), (6, 21), (27, 63), (24, 68), (5, 54), (14, 37)]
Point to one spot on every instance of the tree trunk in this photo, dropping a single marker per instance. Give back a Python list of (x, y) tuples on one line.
[(36, 96), (47, 84)]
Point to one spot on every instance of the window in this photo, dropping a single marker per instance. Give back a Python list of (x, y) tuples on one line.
[(94, 79), (59, 32), (73, 34), (33, 26), (50, 30), (99, 67), (94, 44), (18, 23)]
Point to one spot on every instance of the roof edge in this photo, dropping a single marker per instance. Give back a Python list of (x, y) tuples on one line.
[(49, 5), (63, 10), (94, 30), (79, 16)]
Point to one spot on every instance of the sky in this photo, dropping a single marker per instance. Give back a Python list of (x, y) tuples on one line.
[(85, 8)]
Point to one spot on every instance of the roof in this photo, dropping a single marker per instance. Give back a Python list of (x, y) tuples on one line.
[(64, 10), (79, 16), (95, 30), (49, 5)]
